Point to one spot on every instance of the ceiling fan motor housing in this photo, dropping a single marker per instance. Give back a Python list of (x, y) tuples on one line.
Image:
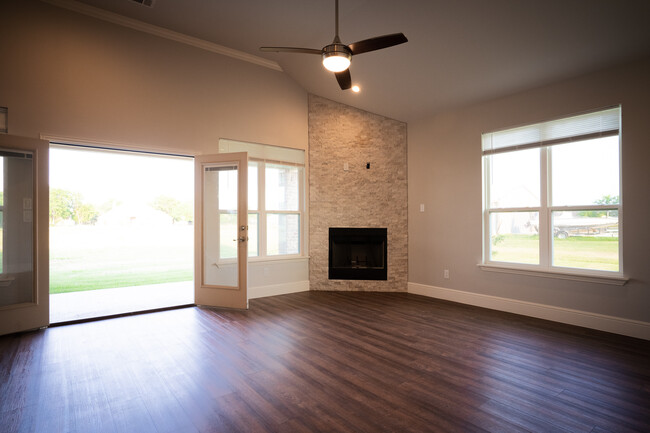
[(336, 57)]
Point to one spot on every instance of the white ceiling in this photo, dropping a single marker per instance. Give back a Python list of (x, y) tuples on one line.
[(459, 51)]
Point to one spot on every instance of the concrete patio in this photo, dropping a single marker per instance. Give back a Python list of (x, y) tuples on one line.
[(66, 307)]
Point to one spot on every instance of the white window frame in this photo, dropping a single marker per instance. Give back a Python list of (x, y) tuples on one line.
[(263, 154), (262, 211), (522, 140), (3, 262)]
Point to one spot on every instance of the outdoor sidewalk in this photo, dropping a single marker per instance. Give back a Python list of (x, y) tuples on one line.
[(65, 307)]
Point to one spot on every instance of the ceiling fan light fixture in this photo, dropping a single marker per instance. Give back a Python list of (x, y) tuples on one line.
[(336, 57)]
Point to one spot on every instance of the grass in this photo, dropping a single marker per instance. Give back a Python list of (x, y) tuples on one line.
[(598, 253), (94, 257)]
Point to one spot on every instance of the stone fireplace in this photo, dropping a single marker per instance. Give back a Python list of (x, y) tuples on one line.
[(357, 178)]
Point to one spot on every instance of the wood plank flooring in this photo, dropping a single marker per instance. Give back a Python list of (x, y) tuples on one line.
[(335, 362)]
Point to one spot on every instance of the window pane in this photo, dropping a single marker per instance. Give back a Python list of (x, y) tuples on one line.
[(253, 234), (2, 164), (227, 236), (585, 172), (514, 237), (282, 187), (253, 168), (514, 179), (586, 239), (282, 234), (1, 241), (2, 176), (17, 240), (228, 189)]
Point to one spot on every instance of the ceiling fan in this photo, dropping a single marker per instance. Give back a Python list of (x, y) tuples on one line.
[(337, 55)]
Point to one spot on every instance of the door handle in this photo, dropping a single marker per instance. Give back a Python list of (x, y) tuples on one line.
[(241, 239)]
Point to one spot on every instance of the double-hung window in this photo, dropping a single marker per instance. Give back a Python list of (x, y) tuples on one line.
[(276, 199), (552, 196)]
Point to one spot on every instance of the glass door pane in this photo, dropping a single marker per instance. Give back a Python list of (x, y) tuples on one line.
[(220, 227), (17, 228)]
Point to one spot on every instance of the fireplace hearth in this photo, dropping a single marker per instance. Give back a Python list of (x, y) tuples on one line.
[(358, 253)]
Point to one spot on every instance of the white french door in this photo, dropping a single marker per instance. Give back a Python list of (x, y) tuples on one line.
[(24, 234), (221, 230)]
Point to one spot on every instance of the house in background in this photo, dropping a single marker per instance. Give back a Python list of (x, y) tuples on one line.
[(134, 214), (72, 71)]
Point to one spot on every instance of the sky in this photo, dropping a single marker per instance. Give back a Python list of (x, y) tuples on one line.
[(582, 173), (101, 176)]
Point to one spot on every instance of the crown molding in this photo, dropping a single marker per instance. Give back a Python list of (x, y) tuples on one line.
[(131, 23)]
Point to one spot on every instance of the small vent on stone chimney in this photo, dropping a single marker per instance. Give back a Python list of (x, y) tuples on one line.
[(147, 3)]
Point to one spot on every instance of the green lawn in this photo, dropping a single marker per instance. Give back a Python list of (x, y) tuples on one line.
[(584, 252), (95, 257)]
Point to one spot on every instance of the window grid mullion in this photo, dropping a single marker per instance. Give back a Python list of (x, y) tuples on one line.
[(261, 194), (545, 242), (487, 245)]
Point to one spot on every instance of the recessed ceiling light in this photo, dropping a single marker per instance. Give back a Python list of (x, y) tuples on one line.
[(356, 89)]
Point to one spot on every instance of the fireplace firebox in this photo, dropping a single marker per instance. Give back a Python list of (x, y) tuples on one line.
[(358, 253)]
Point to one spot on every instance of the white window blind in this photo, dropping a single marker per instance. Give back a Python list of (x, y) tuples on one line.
[(577, 128)]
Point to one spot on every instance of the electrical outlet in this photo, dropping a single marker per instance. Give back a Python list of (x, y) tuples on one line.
[(446, 274)]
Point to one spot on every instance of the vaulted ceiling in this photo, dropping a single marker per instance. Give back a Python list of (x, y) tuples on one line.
[(459, 51)]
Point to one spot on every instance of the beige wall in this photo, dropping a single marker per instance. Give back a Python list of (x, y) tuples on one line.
[(358, 197), (66, 74), (445, 174)]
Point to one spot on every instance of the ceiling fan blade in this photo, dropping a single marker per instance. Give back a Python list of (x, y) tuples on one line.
[(344, 78), (291, 50), (377, 43)]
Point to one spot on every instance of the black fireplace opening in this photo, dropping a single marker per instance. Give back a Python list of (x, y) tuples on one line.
[(358, 253)]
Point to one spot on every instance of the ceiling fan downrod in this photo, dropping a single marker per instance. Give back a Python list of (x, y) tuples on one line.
[(336, 56), (337, 40)]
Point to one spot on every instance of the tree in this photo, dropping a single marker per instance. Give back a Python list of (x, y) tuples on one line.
[(606, 199), (61, 205), (68, 205), (174, 208), (85, 213)]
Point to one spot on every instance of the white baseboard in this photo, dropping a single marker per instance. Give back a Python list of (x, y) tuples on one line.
[(278, 289), (601, 322)]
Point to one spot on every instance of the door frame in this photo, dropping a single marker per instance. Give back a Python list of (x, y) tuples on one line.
[(36, 314)]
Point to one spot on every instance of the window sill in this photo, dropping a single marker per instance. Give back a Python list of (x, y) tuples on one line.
[(277, 258), (266, 259), (615, 280)]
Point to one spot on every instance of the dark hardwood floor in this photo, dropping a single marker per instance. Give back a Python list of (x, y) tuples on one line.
[(338, 362)]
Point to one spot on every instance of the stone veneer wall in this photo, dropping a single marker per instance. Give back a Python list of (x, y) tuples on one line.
[(358, 197)]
